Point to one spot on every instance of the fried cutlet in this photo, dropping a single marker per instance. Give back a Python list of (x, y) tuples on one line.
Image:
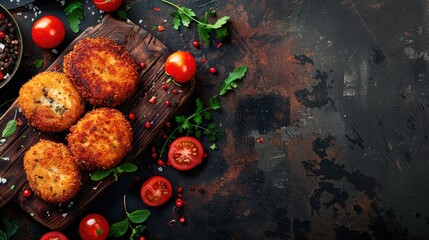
[(51, 171), (103, 71), (100, 139), (50, 102)]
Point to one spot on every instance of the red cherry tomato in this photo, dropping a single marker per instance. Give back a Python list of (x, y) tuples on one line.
[(185, 153), (48, 32), (156, 191), (181, 66), (54, 235), (107, 5), (94, 227)]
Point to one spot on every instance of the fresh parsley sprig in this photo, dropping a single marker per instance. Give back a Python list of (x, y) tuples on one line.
[(137, 217), (194, 123), (74, 13), (101, 174), (10, 228), (184, 16)]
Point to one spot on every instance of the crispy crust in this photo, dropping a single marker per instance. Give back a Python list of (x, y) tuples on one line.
[(51, 171), (100, 139), (103, 72), (50, 102)]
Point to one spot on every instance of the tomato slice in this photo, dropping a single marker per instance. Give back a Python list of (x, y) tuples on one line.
[(185, 153), (156, 191), (54, 235)]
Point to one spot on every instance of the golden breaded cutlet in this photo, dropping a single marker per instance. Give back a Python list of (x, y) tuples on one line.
[(50, 102), (103, 71), (51, 171), (100, 139)]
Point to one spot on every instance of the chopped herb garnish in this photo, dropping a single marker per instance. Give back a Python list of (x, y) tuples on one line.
[(38, 63), (10, 228)]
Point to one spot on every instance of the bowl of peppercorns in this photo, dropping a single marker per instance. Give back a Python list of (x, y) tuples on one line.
[(10, 46)]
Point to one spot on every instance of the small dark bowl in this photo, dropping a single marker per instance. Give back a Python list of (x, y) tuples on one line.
[(9, 16)]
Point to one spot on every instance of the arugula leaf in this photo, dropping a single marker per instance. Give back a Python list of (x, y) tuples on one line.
[(230, 82), (9, 129), (74, 13), (138, 216), (118, 229)]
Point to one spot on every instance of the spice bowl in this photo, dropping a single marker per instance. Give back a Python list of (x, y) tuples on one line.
[(11, 46)]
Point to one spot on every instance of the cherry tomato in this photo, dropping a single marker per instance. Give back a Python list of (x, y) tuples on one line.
[(94, 227), (156, 191), (107, 5), (54, 235), (181, 66), (185, 153), (48, 32)]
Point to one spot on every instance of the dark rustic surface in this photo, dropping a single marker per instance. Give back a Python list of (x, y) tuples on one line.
[(337, 90)]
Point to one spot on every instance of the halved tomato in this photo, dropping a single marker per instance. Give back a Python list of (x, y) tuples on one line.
[(185, 153), (54, 235), (156, 191)]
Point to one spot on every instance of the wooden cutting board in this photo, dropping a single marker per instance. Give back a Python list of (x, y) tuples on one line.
[(143, 47)]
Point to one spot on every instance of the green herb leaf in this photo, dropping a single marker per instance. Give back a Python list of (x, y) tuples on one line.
[(128, 167), (118, 229), (213, 146), (229, 82), (38, 63), (219, 23), (10, 228), (139, 216), (214, 103), (221, 32), (9, 129), (122, 13), (101, 174), (74, 13), (176, 20)]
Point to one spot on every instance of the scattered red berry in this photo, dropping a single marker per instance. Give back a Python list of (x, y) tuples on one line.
[(160, 162), (196, 44), (2, 34), (56, 67), (203, 60), (1, 16), (179, 202), (261, 140), (165, 136), (147, 124), (219, 45), (27, 193), (179, 195), (212, 70), (164, 86), (131, 116), (168, 103), (174, 91), (192, 189), (1, 76), (156, 8), (154, 155), (205, 155), (142, 238), (179, 189), (161, 28), (153, 149), (142, 65), (182, 220), (168, 124)]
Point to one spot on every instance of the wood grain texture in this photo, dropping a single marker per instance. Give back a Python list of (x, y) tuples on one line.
[(143, 47)]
